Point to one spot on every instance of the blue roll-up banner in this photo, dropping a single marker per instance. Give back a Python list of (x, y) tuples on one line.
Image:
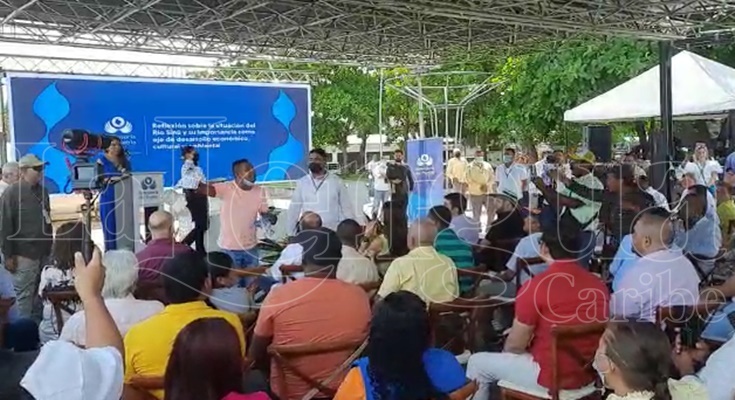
[(425, 157), (267, 123)]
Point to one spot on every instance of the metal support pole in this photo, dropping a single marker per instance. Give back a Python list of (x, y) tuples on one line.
[(422, 133), (380, 115), (4, 124), (663, 145), (446, 113)]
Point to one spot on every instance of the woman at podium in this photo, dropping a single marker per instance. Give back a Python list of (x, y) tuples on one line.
[(114, 164)]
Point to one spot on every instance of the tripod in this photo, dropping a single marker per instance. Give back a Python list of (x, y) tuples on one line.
[(87, 245)]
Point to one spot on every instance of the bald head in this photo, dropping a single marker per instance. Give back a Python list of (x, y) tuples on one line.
[(161, 224), (310, 220), (421, 233), (652, 232)]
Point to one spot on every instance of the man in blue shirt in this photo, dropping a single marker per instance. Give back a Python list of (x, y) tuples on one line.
[(699, 232)]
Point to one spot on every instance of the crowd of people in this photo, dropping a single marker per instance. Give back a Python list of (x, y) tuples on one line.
[(346, 312)]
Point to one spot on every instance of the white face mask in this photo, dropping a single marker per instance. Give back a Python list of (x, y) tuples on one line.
[(599, 370), (507, 159)]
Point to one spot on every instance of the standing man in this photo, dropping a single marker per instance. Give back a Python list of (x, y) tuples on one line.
[(381, 187), (320, 192), (25, 230), (242, 202), (512, 178), (401, 179), (480, 178), (10, 176), (456, 167)]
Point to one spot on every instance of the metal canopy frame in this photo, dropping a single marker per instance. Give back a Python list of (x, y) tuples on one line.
[(377, 32)]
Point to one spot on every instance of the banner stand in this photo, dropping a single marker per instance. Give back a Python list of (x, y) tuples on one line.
[(425, 158)]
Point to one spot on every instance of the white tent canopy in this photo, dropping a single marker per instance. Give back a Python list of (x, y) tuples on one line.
[(701, 89)]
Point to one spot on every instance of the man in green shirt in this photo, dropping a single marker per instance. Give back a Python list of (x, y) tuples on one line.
[(449, 244)]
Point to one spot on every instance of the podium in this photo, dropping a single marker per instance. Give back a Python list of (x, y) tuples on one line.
[(133, 193)]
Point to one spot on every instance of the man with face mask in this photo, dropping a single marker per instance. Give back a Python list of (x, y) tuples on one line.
[(456, 167), (323, 193), (242, 202), (663, 276), (511, 177)]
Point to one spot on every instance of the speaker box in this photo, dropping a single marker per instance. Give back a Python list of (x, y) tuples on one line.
[(598, 139)]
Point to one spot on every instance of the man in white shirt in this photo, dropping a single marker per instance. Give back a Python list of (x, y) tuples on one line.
[(354, 267), (381, 187), (661, 277), (511, 178), (321, 192), (11, 174), (658, 197), (294, 251)]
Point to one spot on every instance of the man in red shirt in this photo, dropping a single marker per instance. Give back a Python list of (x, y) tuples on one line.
[(564, 294), (162, 247)]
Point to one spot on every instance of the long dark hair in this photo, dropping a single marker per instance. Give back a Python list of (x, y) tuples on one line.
[(396, 228), (67, 241), (206, 362), (122, 158), (399, 336), (643, 354)]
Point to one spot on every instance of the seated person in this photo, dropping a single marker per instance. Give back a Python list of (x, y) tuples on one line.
[(161, 248), (186, 284), (58, 275), (542, 303), (354, 267), (528, 247), (423, 271), (501, 233), (725, 212), (698, 232), (121, 275), (661, 277), (226, 294), (625, 258), (317, 309), (699, 361), (659, 200), (374, 242), (448, 243), (400, 363), (291, 255), (16, 332), (466, 228), (634, 362)]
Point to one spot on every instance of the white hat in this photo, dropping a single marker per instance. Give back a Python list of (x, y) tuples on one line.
[(30, 161), (64, 371)]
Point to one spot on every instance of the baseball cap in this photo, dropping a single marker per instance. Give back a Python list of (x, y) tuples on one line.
[(30, 161), (322, 247), (64, 371), (584, 156)]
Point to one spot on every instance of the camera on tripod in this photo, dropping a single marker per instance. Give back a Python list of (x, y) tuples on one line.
[(86, 174)]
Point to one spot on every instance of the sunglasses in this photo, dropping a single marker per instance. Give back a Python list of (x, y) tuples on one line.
[(38, 168)]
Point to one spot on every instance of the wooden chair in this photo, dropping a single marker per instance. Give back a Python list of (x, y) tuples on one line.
[(706, 278), (673, 318), (288, 272), (464, 392), (250, 272), (371, 288), (476, 313), (60, 300), (284, 355), (477, 274), (523, 265), (140, 387), (560, 336)]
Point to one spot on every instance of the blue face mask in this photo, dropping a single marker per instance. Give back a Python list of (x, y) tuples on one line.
[(507, 159)]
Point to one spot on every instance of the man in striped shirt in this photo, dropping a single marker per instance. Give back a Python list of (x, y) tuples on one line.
[(450, 245)]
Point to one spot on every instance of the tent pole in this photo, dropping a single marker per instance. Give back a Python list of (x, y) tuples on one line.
[(662, 148)]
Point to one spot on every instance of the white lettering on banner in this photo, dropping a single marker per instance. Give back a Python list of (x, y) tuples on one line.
[(424, 169), (173, 135), (149, 190)]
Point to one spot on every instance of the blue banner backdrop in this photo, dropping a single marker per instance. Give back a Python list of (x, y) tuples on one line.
[(424, 156), (269, 124)]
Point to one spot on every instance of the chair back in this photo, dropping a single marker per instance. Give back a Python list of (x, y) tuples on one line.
[(523, 266), (477, 274), (560, 337), (284, 355), (476, 314), (464, 392), (288, 272), (59, 300)]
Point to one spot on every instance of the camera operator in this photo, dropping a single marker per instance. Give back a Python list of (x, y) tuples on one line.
[(114, 164)]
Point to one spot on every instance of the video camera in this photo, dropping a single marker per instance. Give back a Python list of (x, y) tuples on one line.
[(85, 173)]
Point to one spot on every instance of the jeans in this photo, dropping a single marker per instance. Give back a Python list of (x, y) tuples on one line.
[(587, 242), (21, 335), (242, 259), (25, 280), (379, 198)]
